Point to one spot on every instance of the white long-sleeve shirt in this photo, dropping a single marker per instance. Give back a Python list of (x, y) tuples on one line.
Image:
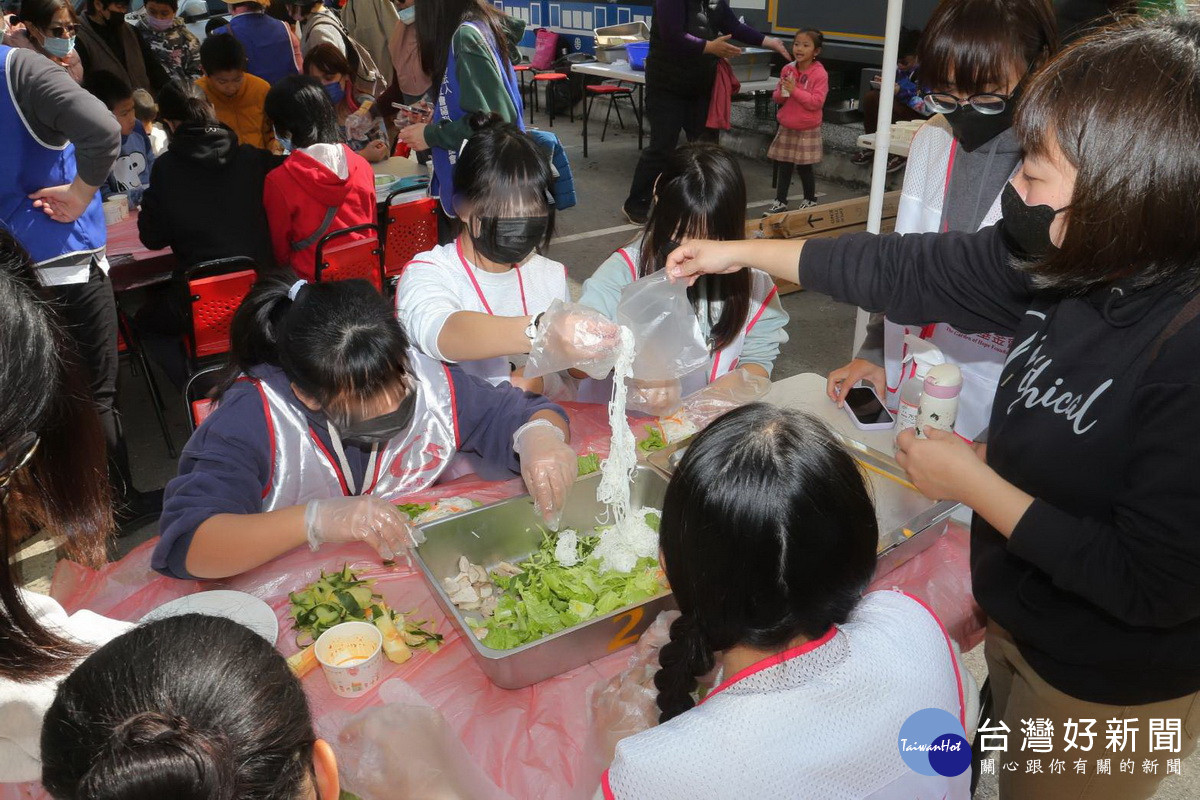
[(441, 282), (23, 704)]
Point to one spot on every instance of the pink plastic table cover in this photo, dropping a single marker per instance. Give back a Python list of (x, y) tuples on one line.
[(532, 742)]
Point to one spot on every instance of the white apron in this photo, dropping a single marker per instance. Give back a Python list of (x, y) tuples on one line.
[(980, 355), (303, 469)]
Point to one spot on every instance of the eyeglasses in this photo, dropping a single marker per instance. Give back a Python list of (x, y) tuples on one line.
[(63, 31), (985, 103), (16, 459)]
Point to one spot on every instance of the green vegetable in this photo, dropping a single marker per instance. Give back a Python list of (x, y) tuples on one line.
[(414, 510), (589, 464), (547, 597), (654, 441)]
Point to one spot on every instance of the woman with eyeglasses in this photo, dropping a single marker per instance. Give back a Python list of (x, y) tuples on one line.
[(52, 477), (975, 58), (48, 26)]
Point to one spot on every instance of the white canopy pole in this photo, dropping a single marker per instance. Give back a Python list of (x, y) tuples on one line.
[(883, 138)]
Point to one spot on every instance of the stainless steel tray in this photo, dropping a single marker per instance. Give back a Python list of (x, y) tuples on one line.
[(908, 521), (753, 64), (510, 531)]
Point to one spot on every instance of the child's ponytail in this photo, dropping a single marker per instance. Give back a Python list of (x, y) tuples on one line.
[(257, 324)]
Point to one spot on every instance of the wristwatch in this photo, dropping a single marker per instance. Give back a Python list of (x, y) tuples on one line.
[(531, 328)]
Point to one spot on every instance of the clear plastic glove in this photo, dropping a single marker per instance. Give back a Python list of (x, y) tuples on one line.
[(656, 398), (728, 392), (361, 519), (548, 466), (573, 336), (360, 123)]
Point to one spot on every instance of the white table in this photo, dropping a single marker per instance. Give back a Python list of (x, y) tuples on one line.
[(806, 392), (401, 168)]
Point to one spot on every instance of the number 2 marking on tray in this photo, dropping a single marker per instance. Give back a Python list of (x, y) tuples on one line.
[(625, 636)]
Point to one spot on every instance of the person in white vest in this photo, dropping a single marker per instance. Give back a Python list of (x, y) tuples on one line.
[(327, 418), (975, 56), (477, 301), (701, 192), (768, 539)]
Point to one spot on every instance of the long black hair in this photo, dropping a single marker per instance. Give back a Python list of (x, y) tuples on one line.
[(65, 487), (437, 20), (301, 110), (187, 707), (182, 102), (503, 172), (1135, 207), (338, 341), (701, 194), (768, 533)]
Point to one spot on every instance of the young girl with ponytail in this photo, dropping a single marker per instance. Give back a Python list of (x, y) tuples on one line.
[(768, 539), (328, 417), (188, 707)]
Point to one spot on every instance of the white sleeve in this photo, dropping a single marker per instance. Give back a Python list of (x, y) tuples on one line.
[(425, 299)]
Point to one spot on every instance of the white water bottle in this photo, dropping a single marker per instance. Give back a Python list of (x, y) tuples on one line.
[(921, 357), (939, 399)]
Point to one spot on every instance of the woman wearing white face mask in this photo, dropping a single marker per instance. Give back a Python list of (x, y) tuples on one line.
[(48, 26), (169, 39)]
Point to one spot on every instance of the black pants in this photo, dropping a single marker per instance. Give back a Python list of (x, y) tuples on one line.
[(784, 182), (161, 323), (668, 114), (88, 312)]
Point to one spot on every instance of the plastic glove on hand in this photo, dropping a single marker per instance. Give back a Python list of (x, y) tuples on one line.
[(573, 336), (656, 398), (361, 519), (548, 466)]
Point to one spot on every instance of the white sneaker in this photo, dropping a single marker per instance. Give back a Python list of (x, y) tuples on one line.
[(775, 208), (806, 204)]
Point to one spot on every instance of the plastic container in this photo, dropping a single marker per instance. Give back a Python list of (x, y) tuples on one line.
[(939, 399), (922, 356), (637, 52)]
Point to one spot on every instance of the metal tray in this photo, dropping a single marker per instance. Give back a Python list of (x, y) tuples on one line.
[(908, 521), (753, 64), (510, 531), (611, 40)]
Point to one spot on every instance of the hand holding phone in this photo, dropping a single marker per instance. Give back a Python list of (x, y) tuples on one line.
[(867, 411), (414, 114)]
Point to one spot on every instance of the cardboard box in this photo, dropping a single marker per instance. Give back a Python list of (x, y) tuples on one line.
[(818, 222)]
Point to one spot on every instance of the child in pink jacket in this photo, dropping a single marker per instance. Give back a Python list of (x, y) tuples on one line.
[(803, 85)]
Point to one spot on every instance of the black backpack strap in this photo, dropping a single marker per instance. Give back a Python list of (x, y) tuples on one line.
[(315, 236), (1190, 310)]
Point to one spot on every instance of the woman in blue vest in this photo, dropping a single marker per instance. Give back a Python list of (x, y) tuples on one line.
[(272, 51), (467, 47), (49, 202)]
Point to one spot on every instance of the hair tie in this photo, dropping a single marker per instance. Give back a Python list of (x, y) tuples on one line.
[(295, 290)]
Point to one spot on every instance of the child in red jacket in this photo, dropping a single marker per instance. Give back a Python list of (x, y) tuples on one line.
[(322, 186), (803, 85)]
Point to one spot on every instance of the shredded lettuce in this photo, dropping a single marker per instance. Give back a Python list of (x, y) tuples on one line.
[(414, 510), (589, 464), (547, 597), (654, 441)]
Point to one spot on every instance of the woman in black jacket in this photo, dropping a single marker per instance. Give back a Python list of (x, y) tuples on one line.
[(206, 204), (1085, 550)]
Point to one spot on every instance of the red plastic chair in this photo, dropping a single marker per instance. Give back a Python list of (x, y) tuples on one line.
[(214, 291), (360, 258), (197, 395), (409, 228), (550, 78), (612, 91)]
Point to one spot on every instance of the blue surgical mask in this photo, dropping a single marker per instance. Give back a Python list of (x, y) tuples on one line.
[(336, 92), (59, 48), (284, 142), (408, 15)]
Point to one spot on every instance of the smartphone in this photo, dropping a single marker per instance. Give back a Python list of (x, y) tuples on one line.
[(867, 410), (414, 113)]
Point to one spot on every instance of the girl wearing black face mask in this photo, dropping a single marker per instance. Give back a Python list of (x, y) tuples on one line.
[(327, 418), (975, 56), (478, 300)]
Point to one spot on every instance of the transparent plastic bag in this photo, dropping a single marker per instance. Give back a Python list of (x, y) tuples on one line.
[(700, 408), (665, 328), (405, 748), (573, 336)]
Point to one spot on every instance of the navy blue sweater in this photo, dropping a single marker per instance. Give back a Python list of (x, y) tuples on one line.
[(227, 462)]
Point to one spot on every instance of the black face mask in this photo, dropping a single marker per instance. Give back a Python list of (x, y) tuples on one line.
[(1026, 228), (973, 130), (509, 240), (116, 18), (385, 427)]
